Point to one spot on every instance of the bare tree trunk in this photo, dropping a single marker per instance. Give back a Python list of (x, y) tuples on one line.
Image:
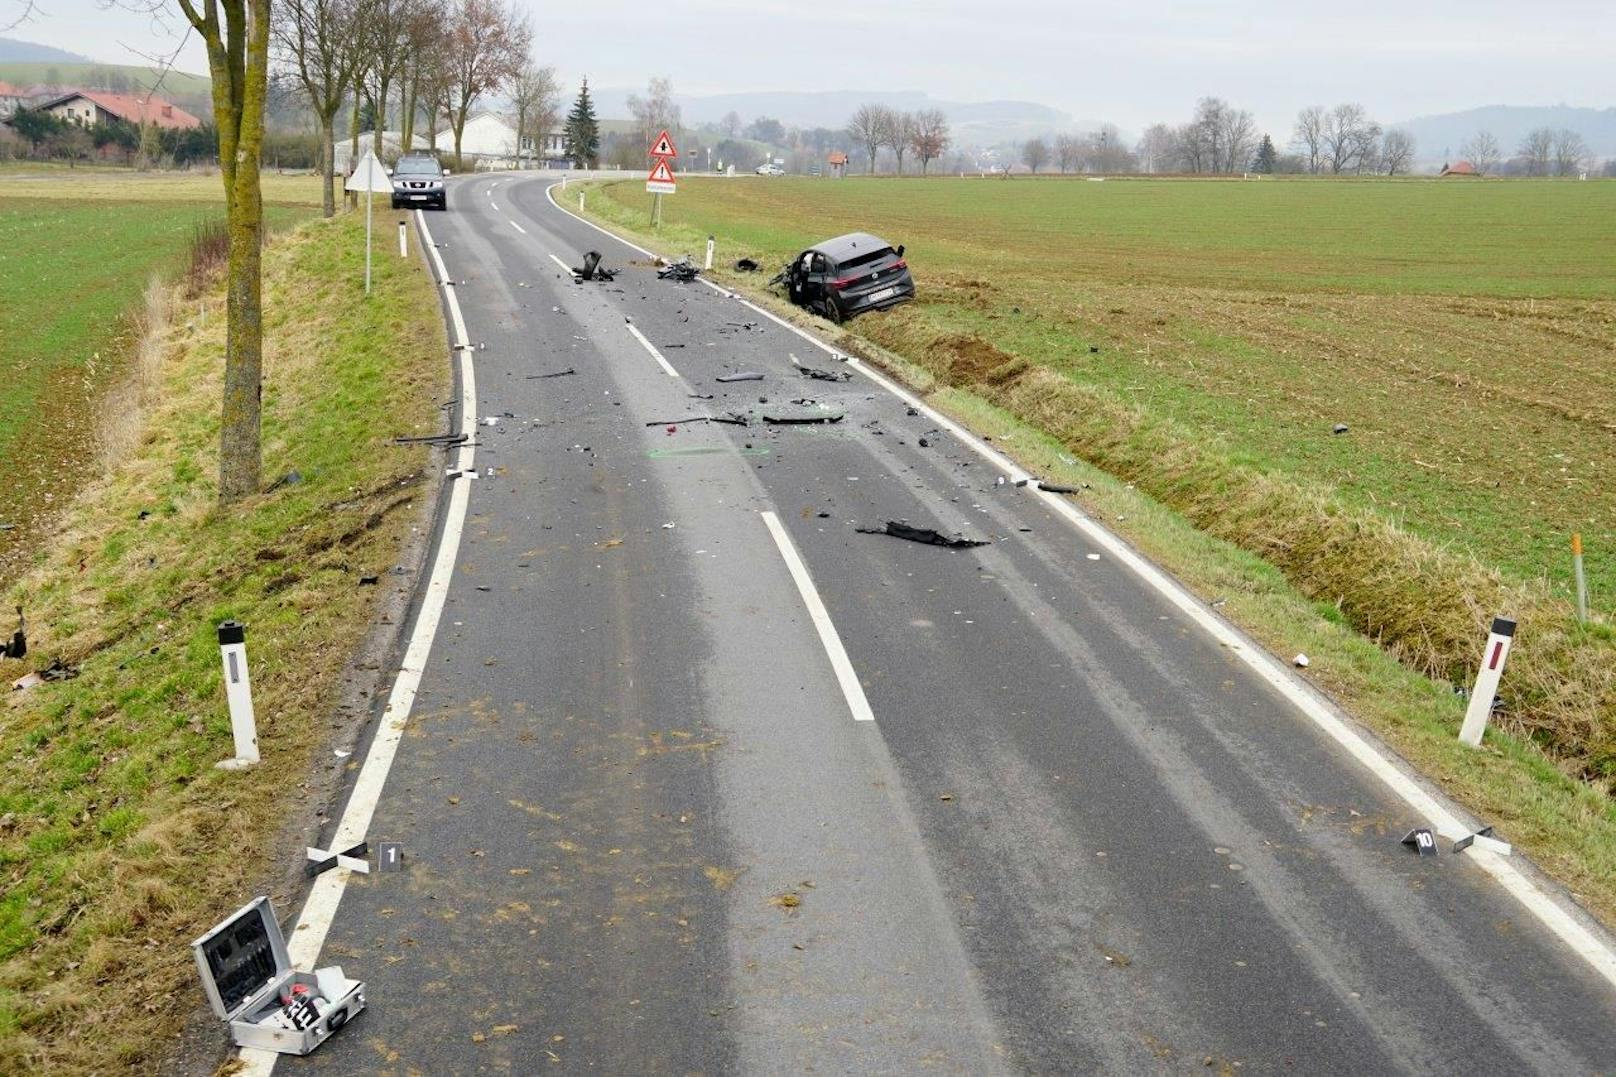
[(328, 166), (239, 439), (379, 108), (406, 108)]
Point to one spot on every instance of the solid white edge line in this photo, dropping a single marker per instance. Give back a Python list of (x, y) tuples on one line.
[(639, 336), (1568, 928), (828, 637), (307, 937)]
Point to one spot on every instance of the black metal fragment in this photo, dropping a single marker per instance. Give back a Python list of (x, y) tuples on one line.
[(1057, 488), (445, 440), (745, 375), (556, 374), (682, 270), (926, 535), (746, 265), (824, 375)]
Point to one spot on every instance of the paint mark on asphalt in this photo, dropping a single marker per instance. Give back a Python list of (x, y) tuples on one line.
[(639, 336)]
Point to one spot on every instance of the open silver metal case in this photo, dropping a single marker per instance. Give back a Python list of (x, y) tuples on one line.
[(245, 967)]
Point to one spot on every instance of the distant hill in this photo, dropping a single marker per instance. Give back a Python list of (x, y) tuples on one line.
[(1441, 136), (979, 123), (12, 50), (190, 92)]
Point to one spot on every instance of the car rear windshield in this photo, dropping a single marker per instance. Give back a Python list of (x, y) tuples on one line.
[(416, 166), (860, 260)]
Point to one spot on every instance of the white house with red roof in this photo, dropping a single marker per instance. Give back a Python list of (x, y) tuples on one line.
[(90, 107)]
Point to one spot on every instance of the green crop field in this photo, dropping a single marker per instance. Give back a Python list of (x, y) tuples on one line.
[(1464, 331), (76, 252)]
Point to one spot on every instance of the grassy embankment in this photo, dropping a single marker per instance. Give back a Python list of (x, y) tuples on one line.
[(76, 251), (1194, 343), (119, 840)]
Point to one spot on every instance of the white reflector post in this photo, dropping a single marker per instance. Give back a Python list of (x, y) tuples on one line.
[(238, 690), (709, 252), (1492, 669), (403, 244)]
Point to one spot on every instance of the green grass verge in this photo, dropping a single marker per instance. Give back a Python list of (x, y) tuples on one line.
[(1566, 825), (119, 841)]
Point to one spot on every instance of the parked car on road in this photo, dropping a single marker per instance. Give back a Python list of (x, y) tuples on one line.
[(769, 170), (418, 181), (847, 276)]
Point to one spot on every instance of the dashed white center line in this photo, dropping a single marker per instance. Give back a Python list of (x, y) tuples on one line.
[(565, 268), (639, 336), (516, 226), (828, 638)]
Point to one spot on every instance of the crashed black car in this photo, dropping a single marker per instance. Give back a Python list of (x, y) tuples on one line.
[(847, 276)]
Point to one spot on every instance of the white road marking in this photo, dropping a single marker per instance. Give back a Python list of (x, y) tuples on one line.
[(851, 688), (516, 226), (1575, 930), (307, 937), (565, 268), (639, 336)]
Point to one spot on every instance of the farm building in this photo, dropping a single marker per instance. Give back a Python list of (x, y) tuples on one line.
[(1460, 168), (89, 107)]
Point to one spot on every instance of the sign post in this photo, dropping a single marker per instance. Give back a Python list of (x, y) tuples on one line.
[(1487, 678), (369, 176), (660, 180)]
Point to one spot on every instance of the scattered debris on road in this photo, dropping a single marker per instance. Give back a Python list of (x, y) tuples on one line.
[(801, 412), (1060, 488), (444, 440), (682, 270), (554, 374), (592, 269), (927, 535), (825, 375), (733, 419), (745, 375)]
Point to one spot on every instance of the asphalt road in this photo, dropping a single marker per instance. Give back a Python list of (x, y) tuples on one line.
[(646, 834)]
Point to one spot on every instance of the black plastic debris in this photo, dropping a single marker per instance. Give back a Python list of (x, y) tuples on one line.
[(58, 671), (682, 270), (1057, 488), (445, 440), (553, 374), (824, 375), (733, 418), (369, 581), (291, 478), (592, 269), (801, 412), (1339, 428), (927, 535), (17, 647), (745, 375), (746, 265)]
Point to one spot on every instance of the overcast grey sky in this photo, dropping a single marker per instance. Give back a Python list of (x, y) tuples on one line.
[(1094, 60)]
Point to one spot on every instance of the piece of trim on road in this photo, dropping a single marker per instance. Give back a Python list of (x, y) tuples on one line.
[(307, 937), (851, 688), (1575, 930), (639, 336)]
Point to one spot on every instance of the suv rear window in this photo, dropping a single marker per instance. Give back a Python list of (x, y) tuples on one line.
[(865, 259)]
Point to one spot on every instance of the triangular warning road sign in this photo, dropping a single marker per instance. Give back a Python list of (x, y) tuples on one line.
[(660, 172), (663, 146)]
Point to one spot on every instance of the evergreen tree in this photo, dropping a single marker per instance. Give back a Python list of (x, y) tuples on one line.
[(583, 133), (1266, 157)]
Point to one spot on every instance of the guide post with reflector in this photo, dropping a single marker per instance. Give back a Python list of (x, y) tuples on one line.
[(238, 690), (1487, 678)]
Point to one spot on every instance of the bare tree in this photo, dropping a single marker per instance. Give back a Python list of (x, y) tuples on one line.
[(536, 96), (1035, 154), (731, 124), (1308, 137), (656, 111), (868, 128), (1104, 151), (320, 42), (488, 45), (386, 30), (900, 130), (930, 137), (1237, 137), (1570, 152), (1069, 151), (1537, 149), (1349, 138), (1481, 149), (1158, 149), (236, 36), (1396, 152)]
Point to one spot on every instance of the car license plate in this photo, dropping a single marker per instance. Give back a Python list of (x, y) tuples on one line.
[(884, 293), (418, 197)]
